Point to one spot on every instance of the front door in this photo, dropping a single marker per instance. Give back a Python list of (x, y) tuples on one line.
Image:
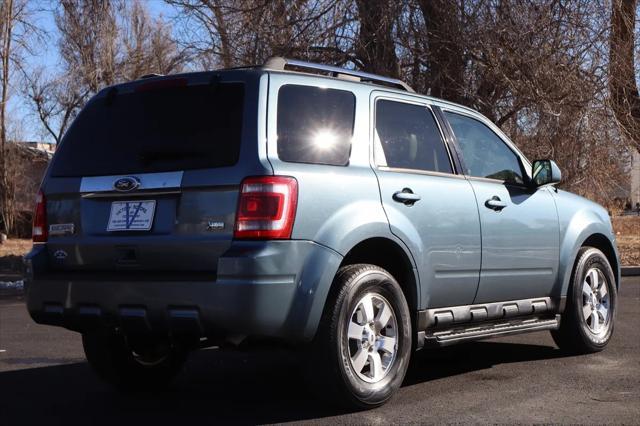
[(520, 232), (430, 208)]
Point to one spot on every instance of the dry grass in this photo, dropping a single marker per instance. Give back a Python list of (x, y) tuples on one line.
[(11, 254), (16, 247), (627, 229)]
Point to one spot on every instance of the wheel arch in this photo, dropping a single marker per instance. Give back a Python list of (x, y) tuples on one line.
[(602, 243), (592, 237), (391, 256)]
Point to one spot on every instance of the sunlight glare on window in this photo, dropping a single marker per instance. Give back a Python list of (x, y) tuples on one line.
[(324, 139)]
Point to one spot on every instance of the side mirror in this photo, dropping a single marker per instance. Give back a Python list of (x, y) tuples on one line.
[(545, 172)]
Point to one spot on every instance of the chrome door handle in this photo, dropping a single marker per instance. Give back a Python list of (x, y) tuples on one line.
[(495, 203), (406, 196)]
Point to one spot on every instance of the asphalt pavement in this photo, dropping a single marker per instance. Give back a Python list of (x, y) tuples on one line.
[(44, 379)]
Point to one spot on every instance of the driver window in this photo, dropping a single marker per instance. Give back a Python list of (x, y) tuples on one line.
[(485, 154)]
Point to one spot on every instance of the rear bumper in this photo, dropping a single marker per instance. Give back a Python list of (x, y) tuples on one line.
[(266, 289)]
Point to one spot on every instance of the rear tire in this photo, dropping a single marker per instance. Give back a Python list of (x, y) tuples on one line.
[(588, 320), (362, 347), (153, 364)]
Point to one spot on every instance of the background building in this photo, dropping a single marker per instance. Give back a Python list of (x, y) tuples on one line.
[(635, 178)]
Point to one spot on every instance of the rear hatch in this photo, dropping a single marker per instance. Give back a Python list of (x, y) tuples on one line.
[(146, 180)]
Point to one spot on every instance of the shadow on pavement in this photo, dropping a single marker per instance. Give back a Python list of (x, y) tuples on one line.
[(428, 365), (218, 387)]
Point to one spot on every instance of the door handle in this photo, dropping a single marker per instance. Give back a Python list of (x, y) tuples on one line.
[(495, 203), (406, 196)]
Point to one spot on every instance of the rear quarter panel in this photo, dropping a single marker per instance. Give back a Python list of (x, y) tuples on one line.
[(338, 206)]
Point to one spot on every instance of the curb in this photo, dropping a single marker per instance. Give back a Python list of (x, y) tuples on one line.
[(630, 271), (11, 294)]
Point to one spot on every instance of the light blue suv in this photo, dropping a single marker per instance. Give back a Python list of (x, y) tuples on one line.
[(335, 211)]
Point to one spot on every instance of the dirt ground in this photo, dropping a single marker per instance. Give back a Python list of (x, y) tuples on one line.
[(627, 230)]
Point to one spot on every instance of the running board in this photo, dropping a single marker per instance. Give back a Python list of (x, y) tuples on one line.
[(484, 331)]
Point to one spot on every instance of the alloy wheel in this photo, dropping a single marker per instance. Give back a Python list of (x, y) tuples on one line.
[(372, 337), (596, 307)]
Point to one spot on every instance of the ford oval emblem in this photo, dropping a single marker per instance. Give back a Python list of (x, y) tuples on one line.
[(60, 254), (127, 183)]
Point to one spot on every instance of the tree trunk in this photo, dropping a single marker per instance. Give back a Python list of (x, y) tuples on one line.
[(6, 188), (622, 81), (221, 26), (445, 51), (375, 44)]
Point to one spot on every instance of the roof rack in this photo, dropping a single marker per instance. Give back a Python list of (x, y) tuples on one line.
[(151, 75), (279, 63)]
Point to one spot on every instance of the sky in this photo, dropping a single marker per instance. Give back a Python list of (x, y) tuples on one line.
[(20, 109), (46, 55)]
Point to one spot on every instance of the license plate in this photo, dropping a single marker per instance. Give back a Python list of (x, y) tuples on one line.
[(131, 215)]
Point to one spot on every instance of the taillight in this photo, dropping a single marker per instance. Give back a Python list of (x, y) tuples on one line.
[(267, 207), (39, 231)]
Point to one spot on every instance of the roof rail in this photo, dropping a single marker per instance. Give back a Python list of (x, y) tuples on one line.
[(151, 75), (279, 63)]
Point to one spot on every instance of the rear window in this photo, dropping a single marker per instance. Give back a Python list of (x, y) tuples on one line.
[(315, 125), (159, 129)]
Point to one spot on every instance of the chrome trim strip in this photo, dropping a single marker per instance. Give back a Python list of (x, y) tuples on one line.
[(134, 195), (163, 180), (419, 172), (497, 181)]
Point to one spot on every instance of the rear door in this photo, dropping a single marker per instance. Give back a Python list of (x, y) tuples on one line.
[(147, 177), (520, 232), (429, 206)]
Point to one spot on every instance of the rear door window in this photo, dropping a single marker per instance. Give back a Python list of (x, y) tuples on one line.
[(163, 127), (315, 125), (408, 137)]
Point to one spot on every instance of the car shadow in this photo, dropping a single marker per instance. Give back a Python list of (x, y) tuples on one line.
[(218, 386), (428, 365)]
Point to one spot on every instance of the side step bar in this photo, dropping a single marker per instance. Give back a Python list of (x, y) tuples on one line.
[(469, 332)]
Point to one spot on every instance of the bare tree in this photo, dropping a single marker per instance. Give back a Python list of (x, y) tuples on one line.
[(101, 43), (538, 68), (56, 101), (229, 33), (16, 32), (145, 45)]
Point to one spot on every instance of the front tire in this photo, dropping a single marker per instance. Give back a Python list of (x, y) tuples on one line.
[(588, 321), (142, 364), (362, 348)]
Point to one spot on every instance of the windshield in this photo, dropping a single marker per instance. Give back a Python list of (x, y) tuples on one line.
[(162, 128)]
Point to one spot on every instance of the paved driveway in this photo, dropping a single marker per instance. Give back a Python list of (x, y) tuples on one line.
[(45, 380)]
